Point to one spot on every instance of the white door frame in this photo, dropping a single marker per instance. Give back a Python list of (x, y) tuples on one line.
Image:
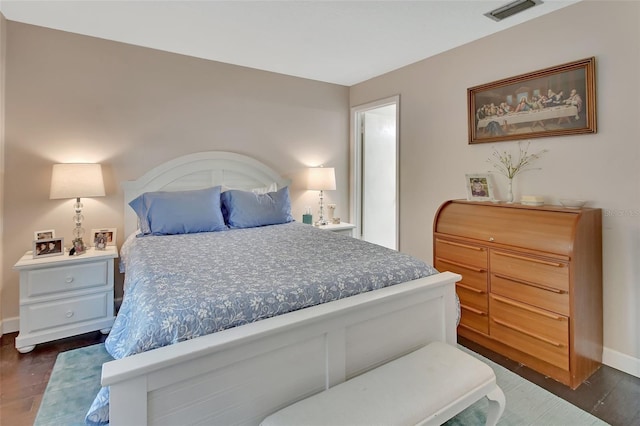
[(356, 162)]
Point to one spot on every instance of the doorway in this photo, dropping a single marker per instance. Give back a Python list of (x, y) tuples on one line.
[(375, 172)]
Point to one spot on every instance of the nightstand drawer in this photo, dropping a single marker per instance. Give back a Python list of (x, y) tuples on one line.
[(41, 316), (66, 278)]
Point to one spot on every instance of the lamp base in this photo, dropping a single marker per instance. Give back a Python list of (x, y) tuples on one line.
[(321, 220)]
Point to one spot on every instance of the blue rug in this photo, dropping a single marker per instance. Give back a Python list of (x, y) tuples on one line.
[(75, 381)]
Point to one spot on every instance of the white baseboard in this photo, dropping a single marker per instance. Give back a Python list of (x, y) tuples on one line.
[(9, 325), (620, 361)]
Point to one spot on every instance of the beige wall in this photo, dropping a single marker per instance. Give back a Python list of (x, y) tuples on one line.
[(602, 168), (75, 98)]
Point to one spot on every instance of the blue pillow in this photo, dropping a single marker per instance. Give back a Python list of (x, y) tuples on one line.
[(244, 209), (179, 212)]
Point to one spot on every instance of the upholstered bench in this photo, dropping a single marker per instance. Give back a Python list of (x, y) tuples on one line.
[(426, 387)]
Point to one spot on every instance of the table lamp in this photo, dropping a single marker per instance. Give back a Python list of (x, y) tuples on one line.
[(321, 179), (77, 180)]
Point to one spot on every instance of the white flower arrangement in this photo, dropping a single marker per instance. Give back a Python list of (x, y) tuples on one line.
[(505, 164)]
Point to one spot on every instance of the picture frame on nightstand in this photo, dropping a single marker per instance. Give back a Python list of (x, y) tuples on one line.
[(100, 241), (103, 238), (48, 247), (44, 235)]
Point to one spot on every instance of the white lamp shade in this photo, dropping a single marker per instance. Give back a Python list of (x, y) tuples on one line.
[(76, 180), (321, 178)]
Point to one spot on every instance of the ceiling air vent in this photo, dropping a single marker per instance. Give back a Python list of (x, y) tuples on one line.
[(511, 9)]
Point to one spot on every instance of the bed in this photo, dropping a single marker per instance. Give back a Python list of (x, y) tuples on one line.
[(239, 370)]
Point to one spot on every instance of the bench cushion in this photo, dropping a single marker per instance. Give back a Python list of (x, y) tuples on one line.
[(405, 391)]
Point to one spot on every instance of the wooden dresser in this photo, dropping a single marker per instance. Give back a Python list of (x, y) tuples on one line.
[(531, 285)]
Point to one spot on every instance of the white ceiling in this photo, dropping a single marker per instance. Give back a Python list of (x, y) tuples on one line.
[(342, 42)]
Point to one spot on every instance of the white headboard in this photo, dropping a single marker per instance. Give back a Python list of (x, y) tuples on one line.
[(198, 171)]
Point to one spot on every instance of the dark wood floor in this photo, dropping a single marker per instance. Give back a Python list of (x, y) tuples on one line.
[(609, 394), (24, 377)]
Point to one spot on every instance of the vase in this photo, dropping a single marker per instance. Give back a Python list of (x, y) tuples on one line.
[(510, 195)]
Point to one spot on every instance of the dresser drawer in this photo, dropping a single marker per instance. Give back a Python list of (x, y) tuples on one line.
[(66, 278), (470, 261), (474, 318), (550, 274), (42, 316), (472, 276), (474, 309), (532, 293), (473, 298), (461, 253), (536, 332)]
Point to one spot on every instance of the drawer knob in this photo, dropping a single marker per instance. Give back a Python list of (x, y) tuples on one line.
[(69, 279), (69, 314), (491, 239)]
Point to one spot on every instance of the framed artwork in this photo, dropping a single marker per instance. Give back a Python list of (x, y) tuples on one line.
[(47, 234), (554, 101), (48, 247), (479, 187), (105, 237)]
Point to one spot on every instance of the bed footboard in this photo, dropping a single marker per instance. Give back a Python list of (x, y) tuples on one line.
[(241, 375)]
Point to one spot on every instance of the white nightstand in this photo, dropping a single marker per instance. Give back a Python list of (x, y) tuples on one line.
[(340, 228), (62, 296)]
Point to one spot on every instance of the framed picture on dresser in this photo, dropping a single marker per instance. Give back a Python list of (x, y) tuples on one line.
[(479, 187)]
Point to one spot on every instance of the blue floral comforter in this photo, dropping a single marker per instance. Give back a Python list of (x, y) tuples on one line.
[(179, 287)]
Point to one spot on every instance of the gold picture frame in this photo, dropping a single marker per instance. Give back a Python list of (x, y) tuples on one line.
[(555, 101)]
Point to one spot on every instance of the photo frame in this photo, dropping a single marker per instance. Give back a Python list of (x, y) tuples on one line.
[(554, 101), (48, 247), (479, 187), (108, 234), (46, 234), (78, 248)]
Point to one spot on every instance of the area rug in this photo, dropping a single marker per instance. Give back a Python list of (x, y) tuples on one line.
[(75, 380), (72, 387)]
